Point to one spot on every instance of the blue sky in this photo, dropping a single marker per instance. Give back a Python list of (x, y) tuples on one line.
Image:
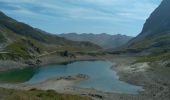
[(82, 16)]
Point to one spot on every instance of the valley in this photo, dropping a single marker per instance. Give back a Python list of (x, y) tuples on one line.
[(37, 65)]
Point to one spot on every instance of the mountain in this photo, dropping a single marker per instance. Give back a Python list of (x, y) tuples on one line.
[(21, 41), (153, 43), (155, 35), (104, 40)]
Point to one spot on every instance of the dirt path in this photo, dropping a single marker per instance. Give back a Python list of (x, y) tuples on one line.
[(45, 54)]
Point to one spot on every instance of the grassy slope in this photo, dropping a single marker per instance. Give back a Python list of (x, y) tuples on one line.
[(16, 32), (153, 58), (24, 30), (157, 46), (8, 94), (158, 40)]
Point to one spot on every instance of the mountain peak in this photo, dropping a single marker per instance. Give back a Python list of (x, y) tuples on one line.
[(156, 30), (159, 20)]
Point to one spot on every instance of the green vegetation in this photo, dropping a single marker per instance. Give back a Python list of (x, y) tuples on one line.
[(155, 43), (153, 58), (26, 42), (23, 30), (21, 49), (18, 75), (13, 56), (33, 94), (2, 38), (18, 48)]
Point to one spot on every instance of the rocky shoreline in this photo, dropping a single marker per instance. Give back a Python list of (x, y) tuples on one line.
[(142, 74), (50, 59)]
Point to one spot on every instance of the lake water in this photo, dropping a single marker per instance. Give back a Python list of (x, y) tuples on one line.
[(102, 77)]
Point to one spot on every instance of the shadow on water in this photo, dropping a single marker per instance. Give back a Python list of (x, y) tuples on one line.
[(24, 75), (18, 75)]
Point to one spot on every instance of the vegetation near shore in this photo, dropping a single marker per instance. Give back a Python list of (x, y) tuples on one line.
[(33, 94)]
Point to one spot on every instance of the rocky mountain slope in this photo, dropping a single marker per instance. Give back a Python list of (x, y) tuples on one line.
[(155, 36), (154, 40), (104, 40), (21, 41)]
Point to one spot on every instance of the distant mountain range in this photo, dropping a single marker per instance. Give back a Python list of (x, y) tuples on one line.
[(21, 41), (104, 40)]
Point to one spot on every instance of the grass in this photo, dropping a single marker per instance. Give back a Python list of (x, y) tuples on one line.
[(157, 45), (21, 49), (33, 94), (18, 50), (153, 58), (2, 38), (4, 56)]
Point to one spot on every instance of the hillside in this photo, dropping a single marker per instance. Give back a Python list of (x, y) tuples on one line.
[(155, 36), (104, 40), (21, 41)]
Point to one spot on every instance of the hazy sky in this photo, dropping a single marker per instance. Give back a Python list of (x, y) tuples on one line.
[(91, 16)]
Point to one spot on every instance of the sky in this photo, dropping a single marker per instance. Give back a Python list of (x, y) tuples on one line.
[(82, 16)]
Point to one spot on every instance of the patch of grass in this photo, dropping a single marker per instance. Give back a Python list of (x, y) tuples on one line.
[(7, 94), (5, 56), (18, 50), (2, 38), (152, 58), (21, 49), (13, 56), (159, 41)]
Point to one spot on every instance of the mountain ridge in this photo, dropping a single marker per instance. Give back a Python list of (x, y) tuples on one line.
[(153, 43), (156, 30), (104, 40)]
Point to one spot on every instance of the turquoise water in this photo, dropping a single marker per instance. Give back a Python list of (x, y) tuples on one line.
[(102, 77)]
